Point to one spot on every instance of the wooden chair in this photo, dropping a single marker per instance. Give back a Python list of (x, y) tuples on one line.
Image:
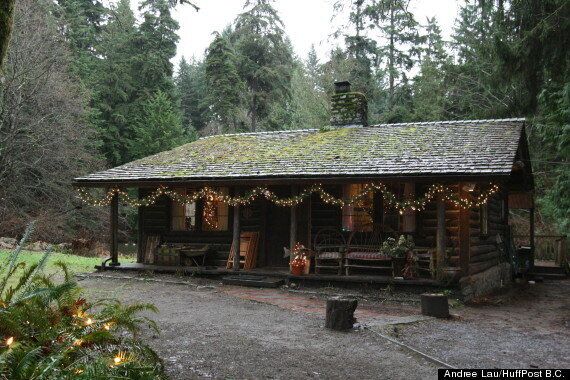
[(364, 253), (247, 251), (329, 250)]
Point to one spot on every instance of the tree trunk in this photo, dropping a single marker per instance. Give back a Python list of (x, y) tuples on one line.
[(435, 305), (6, 24), (340, 313), (253, 112), (391, 62)]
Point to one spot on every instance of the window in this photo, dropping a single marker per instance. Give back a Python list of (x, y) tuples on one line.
[(358, 216), (213, 214), (484, 219)]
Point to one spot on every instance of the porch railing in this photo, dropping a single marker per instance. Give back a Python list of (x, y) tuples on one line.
[(552, 248)]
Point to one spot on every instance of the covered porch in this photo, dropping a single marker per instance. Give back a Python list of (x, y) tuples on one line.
[(343, 226)]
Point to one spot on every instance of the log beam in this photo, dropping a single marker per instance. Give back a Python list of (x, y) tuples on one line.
[(293, 224), (114, 231), (236, 234), (441, 235), (464, 236)]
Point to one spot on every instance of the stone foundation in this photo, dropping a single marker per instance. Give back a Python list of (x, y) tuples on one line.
[(486, 282)]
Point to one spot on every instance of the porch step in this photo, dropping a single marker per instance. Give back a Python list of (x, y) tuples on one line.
[(253, 281), (549, 272), (548, 269)]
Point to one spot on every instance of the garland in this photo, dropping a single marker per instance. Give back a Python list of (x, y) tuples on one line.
[(211, 195)]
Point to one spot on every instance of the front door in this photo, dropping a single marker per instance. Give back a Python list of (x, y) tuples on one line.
[(276, 235)]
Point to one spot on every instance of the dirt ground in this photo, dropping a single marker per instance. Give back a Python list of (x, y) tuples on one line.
[(209, 330)]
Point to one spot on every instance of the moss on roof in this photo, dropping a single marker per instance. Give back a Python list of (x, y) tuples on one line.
[(416, 148)]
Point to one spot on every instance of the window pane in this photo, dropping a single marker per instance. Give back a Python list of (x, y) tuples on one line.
[(357, 216), (183, 215)]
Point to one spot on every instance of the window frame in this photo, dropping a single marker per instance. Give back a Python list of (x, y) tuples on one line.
[(199, 215)]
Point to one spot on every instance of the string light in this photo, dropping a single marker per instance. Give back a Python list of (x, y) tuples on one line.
[(121, 358), (9, 341), (211, 197)]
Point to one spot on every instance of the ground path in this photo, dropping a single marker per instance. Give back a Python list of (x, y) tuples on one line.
[(209, 332)]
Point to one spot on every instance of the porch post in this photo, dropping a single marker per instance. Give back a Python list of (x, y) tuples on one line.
[(236, 233), (440, 236), (464, 233), (114, 226), (293, 226), (531, 233)]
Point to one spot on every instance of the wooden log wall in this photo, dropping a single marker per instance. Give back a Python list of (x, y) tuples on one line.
[(484, 251)]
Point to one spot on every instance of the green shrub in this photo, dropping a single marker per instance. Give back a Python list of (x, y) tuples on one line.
[(48, 331)]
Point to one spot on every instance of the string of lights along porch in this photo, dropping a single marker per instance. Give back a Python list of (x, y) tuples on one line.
[(212, 195)]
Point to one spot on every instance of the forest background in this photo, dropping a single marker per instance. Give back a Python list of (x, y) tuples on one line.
[(86, 85)]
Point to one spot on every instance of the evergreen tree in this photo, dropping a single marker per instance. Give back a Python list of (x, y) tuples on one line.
[(398, 28), (532, 47), (313, 69), (116, 95), (264, 58), (156, 44), (429, 85), (478, 88), (309, 103), (191, 88), (81, 23), (360, 47), (224, 86), (158, 128)]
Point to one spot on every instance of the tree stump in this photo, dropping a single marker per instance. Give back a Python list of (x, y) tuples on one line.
[(435, 305), (340, 313)]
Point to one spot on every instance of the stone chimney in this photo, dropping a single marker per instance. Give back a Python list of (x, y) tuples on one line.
[(347, 107)]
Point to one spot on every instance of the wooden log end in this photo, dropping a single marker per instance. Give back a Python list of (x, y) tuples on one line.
[(435, 305), (340, 313)]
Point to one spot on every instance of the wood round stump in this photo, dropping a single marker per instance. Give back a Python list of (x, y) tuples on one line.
[(435, 305), (340, 313)]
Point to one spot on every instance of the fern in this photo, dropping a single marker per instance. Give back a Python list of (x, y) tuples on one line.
[(53, 340)]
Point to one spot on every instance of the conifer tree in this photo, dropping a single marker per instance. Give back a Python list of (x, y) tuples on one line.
[(191, 88), (158, 128), (400, 53), (224, 86), (264, 58), (116, 88), (429, 85), (81, 23)]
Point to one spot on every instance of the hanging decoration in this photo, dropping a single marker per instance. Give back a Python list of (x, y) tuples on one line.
[(211, 210), (212, 196)]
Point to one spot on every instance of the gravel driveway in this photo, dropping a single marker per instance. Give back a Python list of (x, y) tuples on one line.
[(213, 331), (208, 333)]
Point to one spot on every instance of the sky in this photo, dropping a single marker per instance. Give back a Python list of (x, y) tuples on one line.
[(306, 22)]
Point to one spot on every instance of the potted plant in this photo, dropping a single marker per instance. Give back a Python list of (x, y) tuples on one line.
[(398, 250), (300, 264)]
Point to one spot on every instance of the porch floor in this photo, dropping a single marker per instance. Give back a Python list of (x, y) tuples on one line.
[(272, 272)]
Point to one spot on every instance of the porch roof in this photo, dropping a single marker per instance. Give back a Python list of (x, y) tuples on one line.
[(445, 148)]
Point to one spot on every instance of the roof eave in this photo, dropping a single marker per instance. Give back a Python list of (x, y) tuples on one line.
[(240, 181)]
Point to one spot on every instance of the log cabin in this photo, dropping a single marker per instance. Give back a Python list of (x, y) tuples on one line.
[(447, 184)]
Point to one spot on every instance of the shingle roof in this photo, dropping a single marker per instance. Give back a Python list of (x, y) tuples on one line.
[(470, 147)]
